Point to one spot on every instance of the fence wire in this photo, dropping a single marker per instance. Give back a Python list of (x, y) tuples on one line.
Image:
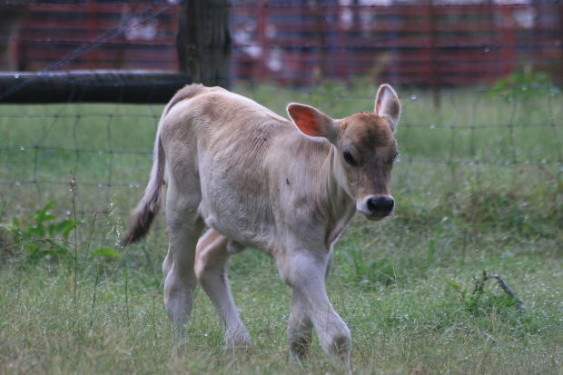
[(95, 158), (107, 148)]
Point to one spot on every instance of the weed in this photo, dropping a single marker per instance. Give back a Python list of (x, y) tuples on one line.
[(43, 236), (522, 85), (369, 274), (509, 208), (481, 300)]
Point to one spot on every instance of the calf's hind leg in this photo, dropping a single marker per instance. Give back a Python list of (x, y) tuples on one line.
[(184, 227), (211, 270)]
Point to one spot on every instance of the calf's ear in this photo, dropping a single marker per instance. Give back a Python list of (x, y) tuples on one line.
[(387, 105), (312, 122)]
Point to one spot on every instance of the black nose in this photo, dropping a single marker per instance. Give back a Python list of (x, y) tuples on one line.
[(381, 205)]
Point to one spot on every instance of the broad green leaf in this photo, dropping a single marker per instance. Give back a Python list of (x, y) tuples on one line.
[(105, 252)]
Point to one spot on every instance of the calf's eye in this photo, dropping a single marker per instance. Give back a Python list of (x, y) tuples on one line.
[(348, 158)]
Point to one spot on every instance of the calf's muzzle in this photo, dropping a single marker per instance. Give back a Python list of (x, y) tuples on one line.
[(377, 206)]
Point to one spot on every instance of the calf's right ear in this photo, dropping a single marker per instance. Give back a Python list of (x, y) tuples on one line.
[(312, 122), (387, 105)]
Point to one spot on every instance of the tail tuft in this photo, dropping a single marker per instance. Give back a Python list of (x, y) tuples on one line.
[(148, 207), (142, 220)]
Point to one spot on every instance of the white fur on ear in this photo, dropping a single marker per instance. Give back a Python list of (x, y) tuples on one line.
[(387, 105)]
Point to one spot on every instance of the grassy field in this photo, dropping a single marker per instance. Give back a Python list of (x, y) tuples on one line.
[(478, 188)]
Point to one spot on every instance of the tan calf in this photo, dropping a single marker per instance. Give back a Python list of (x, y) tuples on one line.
[(257, 180)]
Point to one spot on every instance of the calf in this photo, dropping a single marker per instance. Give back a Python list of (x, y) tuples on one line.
[(257, 180)]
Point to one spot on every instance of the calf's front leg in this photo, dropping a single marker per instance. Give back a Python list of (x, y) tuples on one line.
[(300, 329), (305, 273)]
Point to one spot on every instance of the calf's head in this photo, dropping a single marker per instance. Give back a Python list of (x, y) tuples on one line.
[(365, 148)]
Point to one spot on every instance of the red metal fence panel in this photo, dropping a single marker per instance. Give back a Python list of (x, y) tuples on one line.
[(404, 44), (436, 43), (123, 35)]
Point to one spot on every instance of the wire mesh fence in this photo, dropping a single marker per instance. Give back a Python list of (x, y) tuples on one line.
[(494, 146), (476, 137)]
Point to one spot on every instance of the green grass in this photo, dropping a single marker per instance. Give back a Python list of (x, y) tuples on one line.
[(478, 189)]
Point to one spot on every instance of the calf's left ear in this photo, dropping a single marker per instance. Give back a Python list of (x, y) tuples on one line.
[(387, 105), (312, 122)]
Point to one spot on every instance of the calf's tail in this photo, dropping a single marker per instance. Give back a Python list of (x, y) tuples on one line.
[(147, 209)]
